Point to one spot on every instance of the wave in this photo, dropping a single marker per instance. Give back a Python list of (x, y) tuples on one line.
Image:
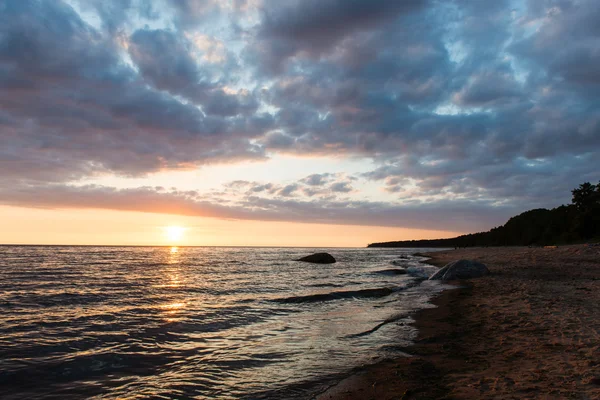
[(132, 323), (389, 320), (364, 293), (59, 299), (325, 285), (392, 271)]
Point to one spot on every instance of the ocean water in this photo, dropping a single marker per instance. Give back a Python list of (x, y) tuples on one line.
[(199, 322)]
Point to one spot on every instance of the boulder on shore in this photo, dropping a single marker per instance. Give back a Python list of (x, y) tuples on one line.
[(461, 269), (318, 258)]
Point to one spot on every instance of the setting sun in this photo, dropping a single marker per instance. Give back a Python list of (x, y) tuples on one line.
[(174, 233)]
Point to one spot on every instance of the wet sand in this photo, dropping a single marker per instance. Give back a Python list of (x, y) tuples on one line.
[(530, 330)]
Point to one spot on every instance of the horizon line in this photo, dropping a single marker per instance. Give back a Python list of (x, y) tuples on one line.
[(168, 245)]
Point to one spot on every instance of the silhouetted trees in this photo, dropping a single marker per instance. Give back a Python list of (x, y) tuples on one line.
[(573, 223), (586, 197), (587, 201)]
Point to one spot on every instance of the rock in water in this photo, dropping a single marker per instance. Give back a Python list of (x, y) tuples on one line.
[(319, 258), (461, 269)]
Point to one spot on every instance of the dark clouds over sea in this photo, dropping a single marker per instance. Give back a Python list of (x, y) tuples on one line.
[(467, 111)]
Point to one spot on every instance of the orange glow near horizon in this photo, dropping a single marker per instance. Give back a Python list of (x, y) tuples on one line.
[(105, 227), (174, 233)]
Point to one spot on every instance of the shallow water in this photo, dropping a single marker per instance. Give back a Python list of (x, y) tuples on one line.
[(161, 322)]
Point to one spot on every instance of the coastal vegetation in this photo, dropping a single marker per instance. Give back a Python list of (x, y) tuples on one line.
[(573, 223)]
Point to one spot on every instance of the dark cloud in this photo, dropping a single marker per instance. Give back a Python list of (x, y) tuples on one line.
[(261, 188), (73, 107), (114, 14), (565, 44), (192, 13), (325, 21), (166, 60), (489, 89), (441, 215), (341, 187), (468, 102), (288, 190), (325, 186), (313, 26), (317, 179), (521, 182), (507, 106)]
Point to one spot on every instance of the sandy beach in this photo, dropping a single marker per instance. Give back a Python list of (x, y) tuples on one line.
[(530, 330)]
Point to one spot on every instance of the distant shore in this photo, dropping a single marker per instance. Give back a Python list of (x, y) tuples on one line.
[(531, 329)]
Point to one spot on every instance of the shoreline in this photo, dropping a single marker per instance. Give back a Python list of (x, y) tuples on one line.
[(531, 329)]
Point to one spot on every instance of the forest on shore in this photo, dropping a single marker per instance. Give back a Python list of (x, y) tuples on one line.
[(573, 223)]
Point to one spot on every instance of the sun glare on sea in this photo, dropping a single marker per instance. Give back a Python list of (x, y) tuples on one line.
[(174, 233)]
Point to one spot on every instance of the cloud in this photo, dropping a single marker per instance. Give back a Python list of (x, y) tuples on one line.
[(72, 106), (114, 14), (264, 187), (167, 61), (312, 27), (341, 187), (451, 102), (489, 89), (454, 216), (317, 179), (557, 23), (288, 190), (326, 186)]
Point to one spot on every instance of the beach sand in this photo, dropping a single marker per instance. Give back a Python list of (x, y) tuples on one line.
[(530, 330)]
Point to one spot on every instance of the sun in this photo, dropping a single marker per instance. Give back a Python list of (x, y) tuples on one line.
[(174, 233)]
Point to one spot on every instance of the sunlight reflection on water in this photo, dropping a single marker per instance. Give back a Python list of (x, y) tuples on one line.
[(194, 322)]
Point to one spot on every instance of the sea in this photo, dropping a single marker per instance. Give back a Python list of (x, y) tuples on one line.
[(200, 322)]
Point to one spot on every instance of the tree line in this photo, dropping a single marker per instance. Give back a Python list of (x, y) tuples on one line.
[(573, 223)]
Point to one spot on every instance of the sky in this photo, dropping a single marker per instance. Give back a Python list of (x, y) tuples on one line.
[(291, 122)]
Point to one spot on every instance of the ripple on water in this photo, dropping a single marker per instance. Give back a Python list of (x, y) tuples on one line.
[(198, 322)]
